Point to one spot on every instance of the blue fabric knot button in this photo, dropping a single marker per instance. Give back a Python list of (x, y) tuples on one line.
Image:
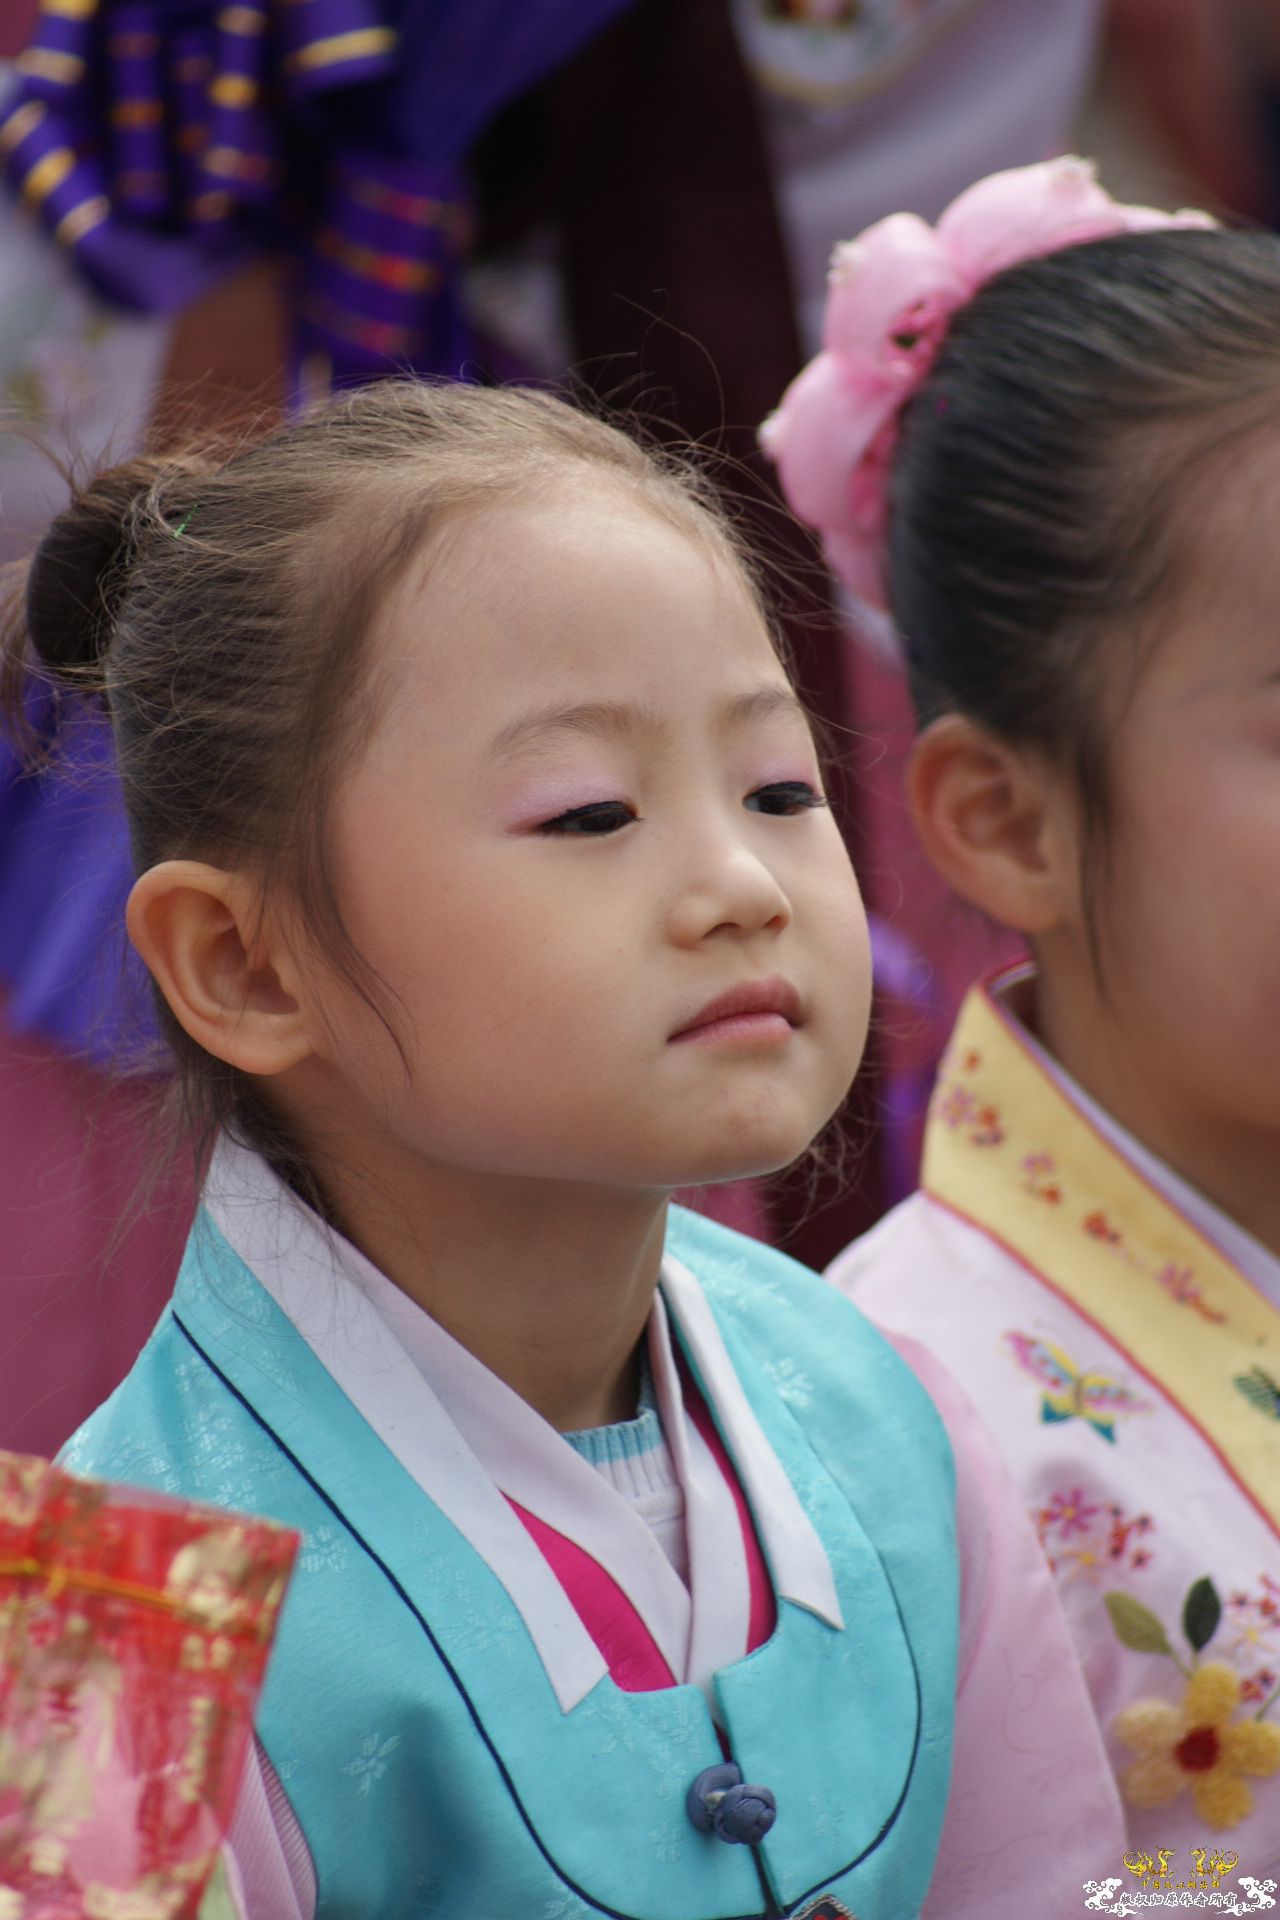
[(719, 1803)]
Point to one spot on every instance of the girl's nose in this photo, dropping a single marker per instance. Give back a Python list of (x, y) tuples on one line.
[(732, 890)]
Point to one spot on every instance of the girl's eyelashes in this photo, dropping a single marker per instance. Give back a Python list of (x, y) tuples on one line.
[(784, 797), (597, 818)]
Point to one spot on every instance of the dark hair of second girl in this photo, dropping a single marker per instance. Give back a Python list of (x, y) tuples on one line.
[(1050, 472)]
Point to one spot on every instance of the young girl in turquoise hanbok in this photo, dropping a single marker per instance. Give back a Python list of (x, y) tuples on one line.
[(488, 885)]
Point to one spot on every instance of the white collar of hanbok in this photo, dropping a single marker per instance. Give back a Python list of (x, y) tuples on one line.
[(473, 1445)]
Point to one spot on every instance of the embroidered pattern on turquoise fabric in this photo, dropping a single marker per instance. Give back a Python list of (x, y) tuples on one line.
[(371, 1763), (325, 1550), (793, 1383)]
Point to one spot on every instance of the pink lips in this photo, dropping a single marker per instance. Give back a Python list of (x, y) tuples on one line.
[(756, 1010)]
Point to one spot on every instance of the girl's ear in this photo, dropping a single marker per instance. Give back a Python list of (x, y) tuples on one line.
[(997, 822), (233, 988)]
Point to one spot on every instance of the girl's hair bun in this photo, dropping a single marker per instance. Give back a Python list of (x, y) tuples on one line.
[(75, 576)]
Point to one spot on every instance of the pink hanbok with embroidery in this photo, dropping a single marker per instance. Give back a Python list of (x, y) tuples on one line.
[(1121, 1338)]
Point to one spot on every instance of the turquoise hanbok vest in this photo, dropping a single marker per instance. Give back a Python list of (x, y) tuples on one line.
[(408, 1714)]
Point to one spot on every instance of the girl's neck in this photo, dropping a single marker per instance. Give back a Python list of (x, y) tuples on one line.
[(1229, 1159), (550, 1287)]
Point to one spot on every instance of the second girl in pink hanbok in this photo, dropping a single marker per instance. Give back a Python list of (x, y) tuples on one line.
[(1046, 437)]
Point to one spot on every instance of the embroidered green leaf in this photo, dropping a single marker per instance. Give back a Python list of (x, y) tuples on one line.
[(1201, 1612), (1136, 1626), (1260, 1390)]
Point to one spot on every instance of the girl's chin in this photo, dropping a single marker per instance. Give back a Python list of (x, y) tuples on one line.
[(724, 1171)]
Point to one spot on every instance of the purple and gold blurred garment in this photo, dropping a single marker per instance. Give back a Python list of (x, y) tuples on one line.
[(163, 141), (65, 874)]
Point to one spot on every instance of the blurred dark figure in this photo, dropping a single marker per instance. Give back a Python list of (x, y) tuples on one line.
[(1207, 75)]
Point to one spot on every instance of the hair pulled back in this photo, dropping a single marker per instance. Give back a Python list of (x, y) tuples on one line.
[(222, 610), (1050, 466)]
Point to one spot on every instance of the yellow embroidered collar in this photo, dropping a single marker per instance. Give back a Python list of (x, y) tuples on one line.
[(1008, 1150)]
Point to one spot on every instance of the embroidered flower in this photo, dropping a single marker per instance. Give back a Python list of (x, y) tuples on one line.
[(1252, 1624), (1199, 1746), (1260, 1685), (956, 1106), (1037, 1168), (1070, 1513), (986, 1130), (1179, 1284), (1083, 1562), (1082, 1538), (794, 1385), (372, 1762), (324, 1550), (1100, 1228), (1122, 1530), (1251, 1631)]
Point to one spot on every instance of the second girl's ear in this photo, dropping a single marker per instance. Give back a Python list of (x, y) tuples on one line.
[(997, 822), (231, 986)]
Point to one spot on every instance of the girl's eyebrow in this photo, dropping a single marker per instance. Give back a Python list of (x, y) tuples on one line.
[(615, 719)]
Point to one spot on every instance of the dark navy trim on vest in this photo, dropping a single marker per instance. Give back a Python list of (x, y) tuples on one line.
[(820, 1886), (769, 1912)]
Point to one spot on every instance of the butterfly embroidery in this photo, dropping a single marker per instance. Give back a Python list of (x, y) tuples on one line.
[(1068, 1394)]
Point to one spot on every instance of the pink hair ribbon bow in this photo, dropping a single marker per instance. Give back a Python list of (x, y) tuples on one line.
[(892, 293)]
